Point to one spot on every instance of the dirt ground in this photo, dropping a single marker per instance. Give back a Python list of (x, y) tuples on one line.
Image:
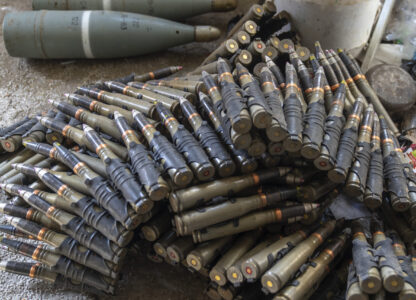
[(25, 87)]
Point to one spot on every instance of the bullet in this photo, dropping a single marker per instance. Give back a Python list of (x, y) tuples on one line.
[(12, 140), (52, 136), (258, 146), (193, 86), (35, 270), (271, 52), (164, 91), (368, 275), (374, 185), (408, 291), (351, 84), (327, 89), (367, 90), (314, 120), (233, 103), (292, 108), (357, 179), (87, 208), (276, 72), (164, 152), (5, 130), (334, 123), (158, 225), (256, 102), (234, 273), (10, 230), (94, 163), (243, 57), (160, 246), (329, 72), (79, 34), (279, 274), (76, 228), (315, 272), (206, 253), (208, 139), (38, 132), (388, 263), (34, 159), (100, 189), (120, 174), (347, 144), (245, 162), (17, 158), (315, 190), (157, 74), (187, 198), (141, 161), (187, 145), (396, 181), (254, 220), (226, 49), (180, 248), (144, 95), (29, 214), (104, 124), (242, 37), (67, 246), (123, 101), (100, 108), (254, 267), (255, 13), (78, 136), (241, 141), (304, 76), (340, 76), (236, 207), (60, 264), (241, 245)]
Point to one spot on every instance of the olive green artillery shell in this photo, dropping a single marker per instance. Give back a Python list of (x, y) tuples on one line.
[(73, 181), (17, 158), (234, 273), (161, 245), (180, 248), (34, 159), (79, 34), (256, 265), (158, 225), (242, 244), (276, 277), (255, 13), (173, 10), (205, 253), (184, 199), (210, 215), (94, 163), (165, 91)]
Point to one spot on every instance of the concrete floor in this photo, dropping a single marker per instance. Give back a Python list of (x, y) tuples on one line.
[(25, 87)]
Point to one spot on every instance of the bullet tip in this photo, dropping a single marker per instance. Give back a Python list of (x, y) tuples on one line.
[(182, 100), (38, 118), (85, 127), (116, 115), (206, 33)]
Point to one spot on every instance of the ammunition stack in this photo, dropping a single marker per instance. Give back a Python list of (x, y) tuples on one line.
[(228, 171)]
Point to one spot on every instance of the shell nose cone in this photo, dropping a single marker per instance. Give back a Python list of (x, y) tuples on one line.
[(206, 33), (224, 5)]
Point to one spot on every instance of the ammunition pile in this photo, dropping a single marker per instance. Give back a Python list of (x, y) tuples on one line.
[(229, 171)]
